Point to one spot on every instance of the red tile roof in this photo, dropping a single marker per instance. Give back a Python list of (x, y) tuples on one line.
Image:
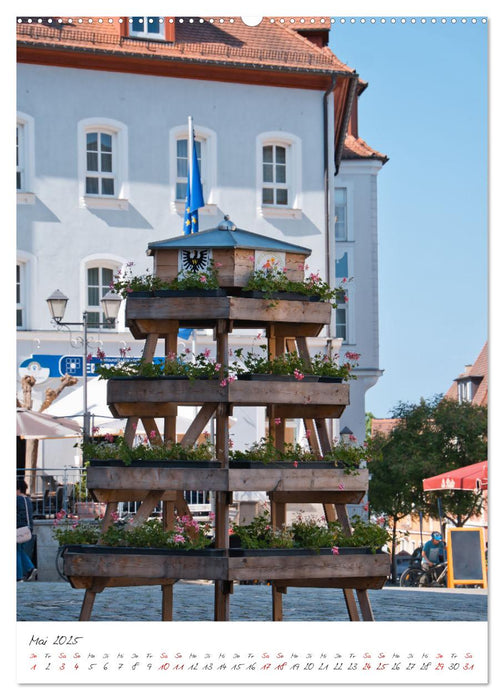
[(356, 148), (271, 43), (478, 370), (383, 425)]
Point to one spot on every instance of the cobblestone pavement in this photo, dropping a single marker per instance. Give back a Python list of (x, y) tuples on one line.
[(45, 602)]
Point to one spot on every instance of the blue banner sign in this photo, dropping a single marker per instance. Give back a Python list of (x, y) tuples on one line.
[(43, 367)]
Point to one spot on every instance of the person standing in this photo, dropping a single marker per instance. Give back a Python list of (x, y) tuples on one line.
[(25, 570), (433, 552)]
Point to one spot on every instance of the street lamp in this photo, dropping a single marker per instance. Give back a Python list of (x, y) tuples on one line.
[(110, 304)]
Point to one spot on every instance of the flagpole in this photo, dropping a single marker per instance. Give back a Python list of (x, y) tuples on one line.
[(190, 147)]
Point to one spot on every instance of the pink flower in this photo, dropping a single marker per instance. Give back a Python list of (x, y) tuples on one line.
[(218, 264), (211, 516), (352, 355), (203, 278), (179, 538), (335, 550), (341, 487), (223, 382), (217, 366), (352, 438), (345, 298), (299, 375), (108, 437), (366, 507), (187, 351), (89, 357), (308, 433), (115, 516), (251, 258), (344, 279), (295, 464), (278, 421), (207, 352), (152, 434)]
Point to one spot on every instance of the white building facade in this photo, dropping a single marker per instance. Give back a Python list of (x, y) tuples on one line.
[(102, 171)]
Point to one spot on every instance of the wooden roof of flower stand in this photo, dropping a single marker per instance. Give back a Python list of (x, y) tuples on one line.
[(235, 251)]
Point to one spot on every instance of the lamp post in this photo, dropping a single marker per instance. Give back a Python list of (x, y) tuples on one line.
[(110, 304)]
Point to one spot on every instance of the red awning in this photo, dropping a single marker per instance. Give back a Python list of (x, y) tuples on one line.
[(475, 476)]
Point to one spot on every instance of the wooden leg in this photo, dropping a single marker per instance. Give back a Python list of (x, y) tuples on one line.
[(365, 605), (277, 600), (167, 602), (353, 612), (223, 589), (87, 605)]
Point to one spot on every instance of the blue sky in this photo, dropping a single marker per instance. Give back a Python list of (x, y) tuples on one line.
[(426, 108)]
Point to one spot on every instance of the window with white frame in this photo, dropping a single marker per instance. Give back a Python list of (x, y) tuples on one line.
[(146, 27), (206, 151), (279, 174), (98, 280), (100, 162), (275, 191), (20, 174), (25, 158), (340, 214), (103, 163), (341, 315), (183, 167), (20, 296)]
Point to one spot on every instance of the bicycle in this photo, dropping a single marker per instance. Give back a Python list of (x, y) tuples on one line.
[(415, 576)]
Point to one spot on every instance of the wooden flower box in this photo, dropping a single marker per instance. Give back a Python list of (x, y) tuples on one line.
[(84, 561), (308, 484)]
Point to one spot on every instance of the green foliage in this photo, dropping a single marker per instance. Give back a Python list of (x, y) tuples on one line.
[(186, 534), (208, 279), (431, 437), (264, 450), (259, 534), (272, 278), (115, 447), (125, 282), (186, 364), (310, 533), (290, 363), (348, 455)]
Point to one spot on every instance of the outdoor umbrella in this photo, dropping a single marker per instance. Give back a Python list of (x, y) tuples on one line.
[(36, 425), (474, 476)]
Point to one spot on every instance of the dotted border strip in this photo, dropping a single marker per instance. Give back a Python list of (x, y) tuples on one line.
[(309, 21)]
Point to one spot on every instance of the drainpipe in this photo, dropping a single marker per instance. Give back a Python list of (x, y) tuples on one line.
[(326, 180)]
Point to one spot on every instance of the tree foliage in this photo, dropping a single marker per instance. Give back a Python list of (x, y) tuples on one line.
[(431, 437)]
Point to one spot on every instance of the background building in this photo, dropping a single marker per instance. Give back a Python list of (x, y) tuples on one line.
[(102, 136)]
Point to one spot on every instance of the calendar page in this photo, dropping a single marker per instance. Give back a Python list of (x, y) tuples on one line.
[(310, 162)]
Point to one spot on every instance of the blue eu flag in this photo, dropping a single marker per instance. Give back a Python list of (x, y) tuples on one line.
[(194, 197)]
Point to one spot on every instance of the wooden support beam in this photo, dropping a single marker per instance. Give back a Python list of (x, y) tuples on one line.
[(170, 421), (167, 602), (181, 504), (277, 602), (152, 431), (107, 520), (147, 355), (198, 425), (168, 515), (87, 605), (145, 509), (222, 591), (365, 605)]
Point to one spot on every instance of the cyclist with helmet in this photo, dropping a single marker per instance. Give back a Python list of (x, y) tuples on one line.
[(433, 552)]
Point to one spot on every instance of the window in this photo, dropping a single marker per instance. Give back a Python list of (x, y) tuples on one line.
[(275, 191), (340, 214), (279, 175), (103, 163), (100, 179), (206, 151), (342, 316), (98, 284), (25, 159), (20, 296), (20, 178), (183, 168), (147, 28)]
